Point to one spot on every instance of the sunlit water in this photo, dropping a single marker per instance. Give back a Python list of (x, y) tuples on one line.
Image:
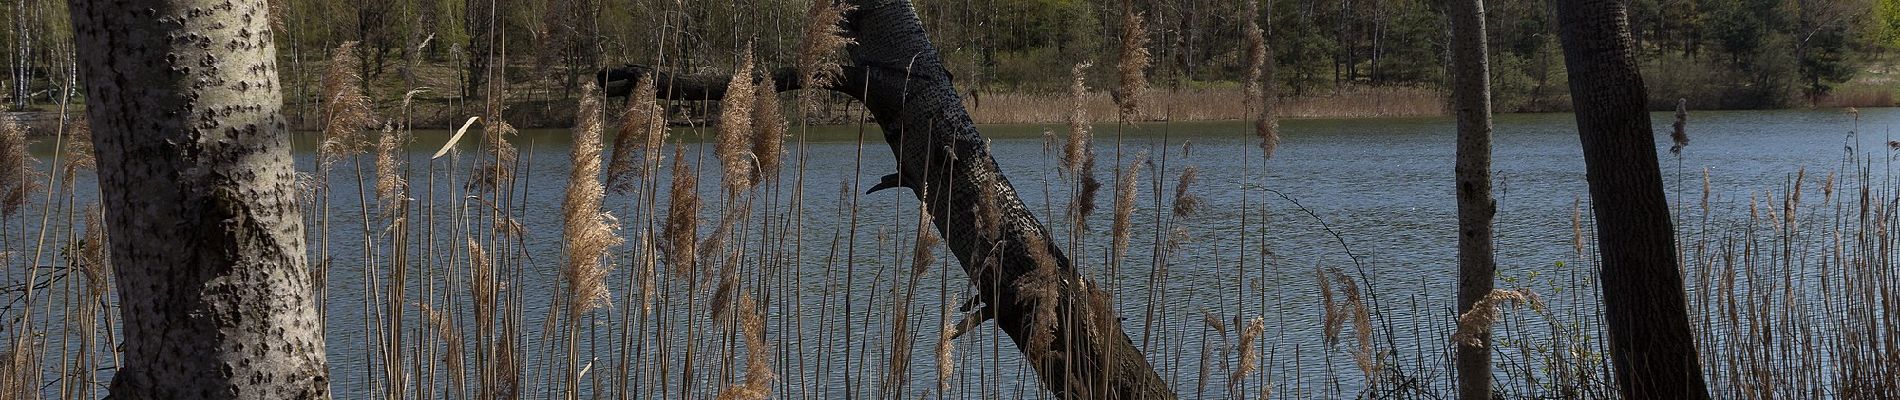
[(1372, 198)]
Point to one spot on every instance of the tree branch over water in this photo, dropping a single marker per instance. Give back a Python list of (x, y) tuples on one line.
[(898, 75)]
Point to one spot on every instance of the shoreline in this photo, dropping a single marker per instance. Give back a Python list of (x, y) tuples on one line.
[(994, 108)]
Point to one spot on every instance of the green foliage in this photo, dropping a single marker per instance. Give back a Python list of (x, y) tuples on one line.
[(1825, 61), (1302, 52), (1530, 80), (1718, 53), (1414, 45), (1884, 28)]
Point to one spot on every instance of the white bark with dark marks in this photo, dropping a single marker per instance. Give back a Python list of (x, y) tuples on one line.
[(1477, 263), (196, 175)]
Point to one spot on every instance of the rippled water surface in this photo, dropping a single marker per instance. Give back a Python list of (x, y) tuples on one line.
[(1373, 198), (1359, 195)]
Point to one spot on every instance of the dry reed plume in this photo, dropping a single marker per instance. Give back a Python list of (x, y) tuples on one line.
[(1134, 60), (346, 110), (481, 282), (1827, 188), (1249, 358), (710, 251), (589, 231), (733, 144), (642, 127), (946, 346), (713, 250), (17, 175), (768, 128), (757, 384), (649, 282), (1126, 187), (1331, 320), (93, 259), (1260, 83), (1365, 355), (19, 369), (824, 37), (1076, 150), (1209, 321), (1472, 325), (1078, 156), (499, 168), (1679, 135), (922, 253), (452, 347), (1213, 322), (78, 153), (389, 174), (989, 215), (1041, 287), (1185, 202), (681, 232)]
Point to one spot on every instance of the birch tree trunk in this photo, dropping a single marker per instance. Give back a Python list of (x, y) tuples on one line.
[(196, 175), (1477, 267), (1644, 307)]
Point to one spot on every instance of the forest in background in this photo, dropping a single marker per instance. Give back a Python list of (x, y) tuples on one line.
[(1716, 54)]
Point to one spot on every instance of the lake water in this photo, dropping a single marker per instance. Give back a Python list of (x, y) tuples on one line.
[(1377, 201)]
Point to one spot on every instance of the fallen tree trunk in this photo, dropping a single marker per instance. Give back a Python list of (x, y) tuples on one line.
[(901, 80)]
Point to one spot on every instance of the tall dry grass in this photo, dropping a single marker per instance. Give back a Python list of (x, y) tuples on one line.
[(1209, 104), (1857, 96)]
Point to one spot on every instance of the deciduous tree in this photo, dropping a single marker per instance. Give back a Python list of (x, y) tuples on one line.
[(196, 176), (1644, 307)]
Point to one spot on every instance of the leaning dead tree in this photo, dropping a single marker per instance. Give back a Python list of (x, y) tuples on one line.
[(1060, 320)]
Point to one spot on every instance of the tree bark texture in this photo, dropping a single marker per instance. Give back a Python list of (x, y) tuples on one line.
[(1651, 346), (196, 176), (942, 159), (1477, 266), (946, 163)]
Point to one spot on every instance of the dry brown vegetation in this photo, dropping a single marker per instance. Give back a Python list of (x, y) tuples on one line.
[(1209, 104), (1792, 291)]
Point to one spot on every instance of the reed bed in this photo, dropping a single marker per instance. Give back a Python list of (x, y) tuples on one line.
[(1791, 286), (1206, 104), (695, 263), (1868, 95)]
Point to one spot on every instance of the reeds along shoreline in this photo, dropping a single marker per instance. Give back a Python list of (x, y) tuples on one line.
[(1791, 288), (1208, 104), (435, 286)]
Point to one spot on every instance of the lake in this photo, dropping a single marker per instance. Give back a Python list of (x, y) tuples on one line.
[(1370, 197)]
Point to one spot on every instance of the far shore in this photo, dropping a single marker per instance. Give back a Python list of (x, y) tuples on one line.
[(1211, 104)]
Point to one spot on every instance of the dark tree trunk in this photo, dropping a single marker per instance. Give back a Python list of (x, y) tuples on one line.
[(900, 78), (478, 19), (195, 172), (1651, 346), (1477, 267), (946, 163)]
